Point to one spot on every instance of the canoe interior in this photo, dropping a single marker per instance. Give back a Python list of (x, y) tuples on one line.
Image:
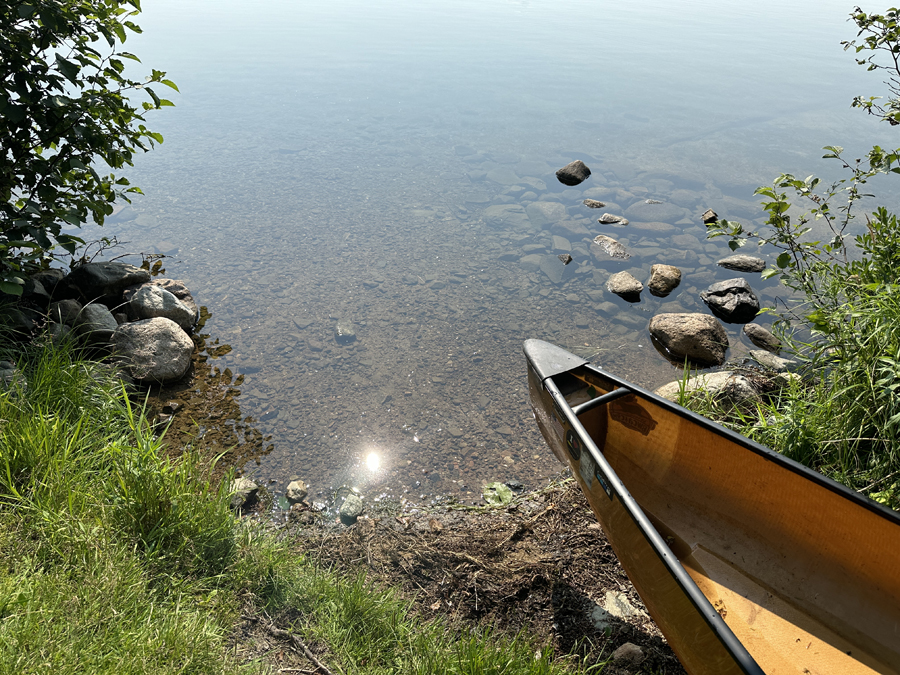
[(805, 573)]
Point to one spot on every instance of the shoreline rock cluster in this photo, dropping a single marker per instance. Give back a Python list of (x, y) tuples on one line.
[(114, 309), (697, 338)]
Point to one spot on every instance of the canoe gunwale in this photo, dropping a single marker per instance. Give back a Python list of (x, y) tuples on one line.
[(716, 623), (761, 450)]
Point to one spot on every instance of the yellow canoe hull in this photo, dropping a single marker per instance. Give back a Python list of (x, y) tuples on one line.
[(747, 561)]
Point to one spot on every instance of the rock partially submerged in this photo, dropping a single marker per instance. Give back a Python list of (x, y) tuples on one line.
[(722, 385), (594, 204), (610, 219), (742, 263), (625, 286), (243, 493), (573, 173), (663, 279), (697, 337), (732, 300), (762, 338), (709, 216)]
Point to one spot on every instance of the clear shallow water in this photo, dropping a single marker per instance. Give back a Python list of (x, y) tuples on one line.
[(373, 163)]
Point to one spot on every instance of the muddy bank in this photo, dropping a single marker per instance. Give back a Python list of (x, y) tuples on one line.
[(541, 562)]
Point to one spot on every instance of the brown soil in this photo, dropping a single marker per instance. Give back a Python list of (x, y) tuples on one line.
[(541, 562)]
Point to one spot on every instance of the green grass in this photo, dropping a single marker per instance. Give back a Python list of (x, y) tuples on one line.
[(117, 559)]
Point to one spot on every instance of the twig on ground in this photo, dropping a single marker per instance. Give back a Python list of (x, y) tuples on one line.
[(298, 643)]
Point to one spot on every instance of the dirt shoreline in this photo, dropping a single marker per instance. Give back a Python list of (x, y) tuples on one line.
[(540, 563)]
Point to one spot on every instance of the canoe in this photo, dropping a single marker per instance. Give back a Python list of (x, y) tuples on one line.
[(748, 562)]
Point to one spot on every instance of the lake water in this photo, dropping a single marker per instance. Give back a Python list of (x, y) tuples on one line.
[(374, 163)]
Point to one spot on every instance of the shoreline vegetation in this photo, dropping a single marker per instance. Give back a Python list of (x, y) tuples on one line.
[(120, 559)]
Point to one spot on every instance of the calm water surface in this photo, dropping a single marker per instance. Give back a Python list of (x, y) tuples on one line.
[(390, 165)]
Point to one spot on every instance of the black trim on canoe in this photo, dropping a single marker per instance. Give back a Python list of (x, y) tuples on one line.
[(716, 623)]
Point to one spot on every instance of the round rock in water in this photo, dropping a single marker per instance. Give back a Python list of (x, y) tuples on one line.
[(732, 301), (663, 280), (296, 491), (153, 349), (351, 509), (343, 332), (625, 286), (610, 219), (243, 492), (574, 173), (697, 337), (742, 263), (762, 338)]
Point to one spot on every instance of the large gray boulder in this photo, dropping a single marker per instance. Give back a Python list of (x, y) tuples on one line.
[(663, 279), (105, 279), (732, 300), (697, 337), (155, 349), (151, 301)]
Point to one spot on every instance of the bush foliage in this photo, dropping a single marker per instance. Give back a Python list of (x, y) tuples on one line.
[(65, 117)]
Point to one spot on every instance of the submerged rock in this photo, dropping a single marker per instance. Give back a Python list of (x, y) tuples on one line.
[(732, 300), (762, 338), (343, 332), (742, 263), (611, 247), (544, 214), (573, 173), (698, 337), (663, 279)]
